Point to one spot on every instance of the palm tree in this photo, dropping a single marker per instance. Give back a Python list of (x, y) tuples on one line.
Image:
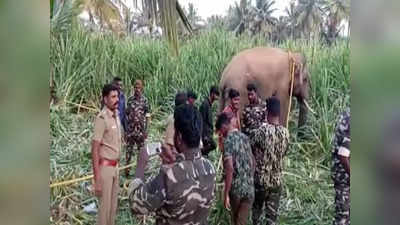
[(260, 18), (337, 11), (292, 18), (166, 13), (237, 15), (310, 16), (192, 15), (65, 12), (107, 13), (281, 29)]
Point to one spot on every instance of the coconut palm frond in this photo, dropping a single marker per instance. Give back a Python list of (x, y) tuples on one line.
[(63, 15)]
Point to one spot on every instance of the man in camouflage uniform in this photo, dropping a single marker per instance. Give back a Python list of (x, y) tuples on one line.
[(254, 113), (183, 191), (341, 169), (208, 125), (239, 169), (270, 144), (137, 115)]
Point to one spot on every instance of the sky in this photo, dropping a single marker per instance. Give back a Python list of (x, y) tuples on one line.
[(207, 8)]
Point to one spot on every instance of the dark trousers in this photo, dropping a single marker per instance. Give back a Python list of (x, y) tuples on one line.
[(240, 209), (130, 149), (269, 196)]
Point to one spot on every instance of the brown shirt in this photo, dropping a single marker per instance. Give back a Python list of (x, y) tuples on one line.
[(107, 130)]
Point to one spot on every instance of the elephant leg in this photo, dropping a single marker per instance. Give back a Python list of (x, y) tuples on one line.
[(284, 108)]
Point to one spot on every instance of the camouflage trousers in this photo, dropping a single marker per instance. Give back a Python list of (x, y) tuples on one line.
[(269, 196), (130, 149), (342, 205)]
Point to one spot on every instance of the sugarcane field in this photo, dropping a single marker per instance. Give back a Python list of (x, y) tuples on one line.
[(164, 113)]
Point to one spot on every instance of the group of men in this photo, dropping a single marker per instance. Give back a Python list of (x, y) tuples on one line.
[(253, 147)]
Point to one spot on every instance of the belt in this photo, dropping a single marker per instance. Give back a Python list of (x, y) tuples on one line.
[(108, 162)]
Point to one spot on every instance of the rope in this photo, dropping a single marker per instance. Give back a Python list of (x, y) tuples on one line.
[(67, 182), (291, 71)]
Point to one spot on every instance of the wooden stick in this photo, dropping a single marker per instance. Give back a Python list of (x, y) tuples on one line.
[(67, 182)]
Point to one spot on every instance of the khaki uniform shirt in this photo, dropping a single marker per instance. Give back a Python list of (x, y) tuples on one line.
[(107, 131)]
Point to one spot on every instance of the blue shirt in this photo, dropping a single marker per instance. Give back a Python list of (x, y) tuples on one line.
[(121, 109)]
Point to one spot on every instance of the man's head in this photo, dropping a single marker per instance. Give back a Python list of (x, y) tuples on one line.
[(117, 81), (180, 99), (225, 122), (274, 109), (191, 97), (187, 128), (252, 93), (214, 94), (234, 95), (110, 96), (138, 87)]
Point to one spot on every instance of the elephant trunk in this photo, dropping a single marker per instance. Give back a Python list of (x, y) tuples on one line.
[(302, 116)]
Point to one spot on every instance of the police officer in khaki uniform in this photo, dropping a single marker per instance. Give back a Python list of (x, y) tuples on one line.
[(106, 147)]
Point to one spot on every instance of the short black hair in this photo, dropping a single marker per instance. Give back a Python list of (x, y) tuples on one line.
[(251, 87), (117, 79), (273, 106), (180, 98), (107, 89), (191, 94), (214, 90), (222, 119), (188, 123), (233, 93)]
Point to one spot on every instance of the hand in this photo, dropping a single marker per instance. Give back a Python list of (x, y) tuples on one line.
[(227, 202), (97, 187), (167, 155), (145, 136)]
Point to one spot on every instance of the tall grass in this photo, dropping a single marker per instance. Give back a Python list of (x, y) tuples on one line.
[(83, 62)]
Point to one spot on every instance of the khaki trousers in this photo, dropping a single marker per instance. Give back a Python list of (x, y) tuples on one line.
[(108, 201)]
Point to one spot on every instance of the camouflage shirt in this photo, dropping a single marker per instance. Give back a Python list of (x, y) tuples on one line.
[(341, 143), (136, 110), (270, 146), (252, 117), (237, 146), (182, 192)]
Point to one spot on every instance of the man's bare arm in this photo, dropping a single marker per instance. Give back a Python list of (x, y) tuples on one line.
[(228, 168)]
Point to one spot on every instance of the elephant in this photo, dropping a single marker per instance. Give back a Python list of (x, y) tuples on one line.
[(268, 69)]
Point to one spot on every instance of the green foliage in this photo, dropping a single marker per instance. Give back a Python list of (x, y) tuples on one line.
[(83, 63)]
